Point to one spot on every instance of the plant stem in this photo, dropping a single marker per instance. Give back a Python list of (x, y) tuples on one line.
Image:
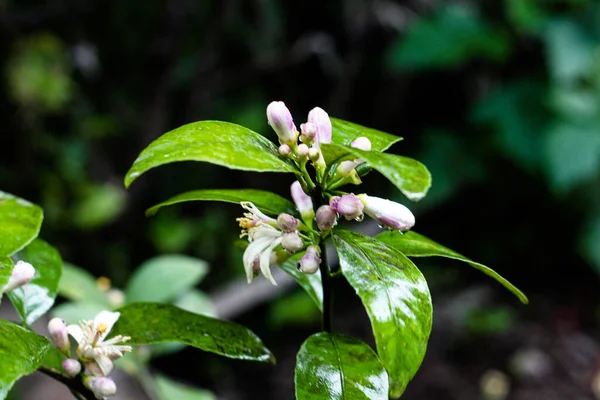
[(74, 384), (327, 289)]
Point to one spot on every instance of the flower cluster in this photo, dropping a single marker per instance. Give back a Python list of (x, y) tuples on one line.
[(93, 351), (274, 240)]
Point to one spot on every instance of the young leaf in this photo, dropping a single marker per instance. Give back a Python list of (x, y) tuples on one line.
[(163, 278), (78, 284), (168, 389), (20, 223), (397, 300), (413, 244), (410, 176), (267, 202), (331, 366), (34, 299), (344, 133), (216, 142), (21, 352), (149, 323), (311, 283), (6, 267)]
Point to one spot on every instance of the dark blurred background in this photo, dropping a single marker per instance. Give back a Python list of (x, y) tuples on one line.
[(499, 98)]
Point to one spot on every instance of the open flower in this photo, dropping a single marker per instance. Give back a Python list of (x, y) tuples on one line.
[(264, 236), (96, 353)]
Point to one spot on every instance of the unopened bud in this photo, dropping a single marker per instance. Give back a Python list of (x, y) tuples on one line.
[(320, 119), (302, 150), (282, 122), (285, 150), (22, 274), (116, 297), (101, 386), (361, 143), (310, 261), (314, 154), (292, 242), (71, 367), (308, 131), (303, 202), (388, 213), (349, 206), (326, 218), (59, 334), (287, 222), (345, 168)]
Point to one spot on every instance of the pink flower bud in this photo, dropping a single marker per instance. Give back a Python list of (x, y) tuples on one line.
[(287, 223), (310, 261), (361, 143), (388, 213), (309, 130), (285, 150), (303, 201), (101, 386), (282, 122), (71, 367), (326, 218), (348, 205), (302, 150), (321, 120), (292, 242), (22, 274), (59, 334)]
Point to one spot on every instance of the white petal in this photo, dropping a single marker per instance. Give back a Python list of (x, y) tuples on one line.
[(253, 250), (105, 363), (107, 318), (265, 264), (256, 213), (76, 332)]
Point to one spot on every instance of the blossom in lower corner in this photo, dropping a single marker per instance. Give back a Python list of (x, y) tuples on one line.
[(388, 213), (93, 350), (102, 387)]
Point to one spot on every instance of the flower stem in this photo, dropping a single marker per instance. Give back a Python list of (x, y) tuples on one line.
[(327, 289), (75, 385)]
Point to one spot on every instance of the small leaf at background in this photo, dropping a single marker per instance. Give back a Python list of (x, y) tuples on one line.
[(332, 366), (20, 223), (412, 244), (78, 284), (267, 202), (99, 205), (74, 311), (196, 302), (21, 353), (168, 389), (34, 299), (397, 300), (344, 133), (410, 176), (149, 323), (216, 142), (163, 278), (294, 309), (311, 283)]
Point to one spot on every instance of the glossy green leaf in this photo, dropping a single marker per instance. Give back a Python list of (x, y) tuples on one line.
[(344, 133), (149, 323), (21, 353), (20, 223), (397, 300), (332, 366), (34, 299), (413, 244), (216, 142), (163, 278), (410, 176), (311, 283), (267, 202), (6, 267), (78, 284), (168, 389)]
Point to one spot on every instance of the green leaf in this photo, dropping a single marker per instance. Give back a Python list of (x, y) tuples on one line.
[(78, 284), (216, 142), (267, 202), (311, 283), (397, 300), (149, 323), (21, 352), (20, 223), (197, 302), (168, 389), (163, 278), (34, 299), (331, 366), (344, 133), (413, 244), (410, 176), (74, 311), (6, 267)]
